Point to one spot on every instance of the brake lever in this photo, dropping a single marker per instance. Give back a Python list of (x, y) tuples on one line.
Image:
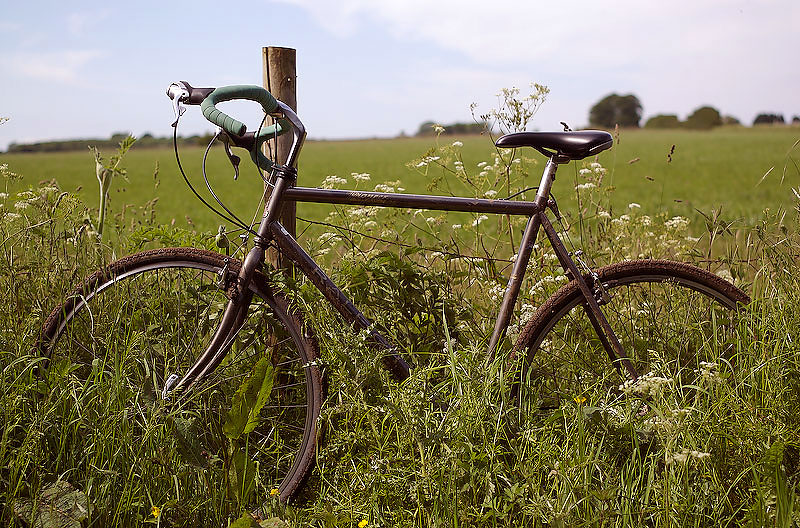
[(233, 158), (178, 93)]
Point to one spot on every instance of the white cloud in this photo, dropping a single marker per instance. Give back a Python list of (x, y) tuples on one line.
[(54, 66), (676, 56), (79, 23)]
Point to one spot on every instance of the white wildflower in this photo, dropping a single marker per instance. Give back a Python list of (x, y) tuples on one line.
[(478, 220), (677, 222), (595, 165), (647, 385), (363, 176), (709, 371), (481, 164), (692, 239), (22, 205), (12, 216), (439, 129), (684, 455), (725, 274), (584, 172), (3, 196), (370, 224), (491, 193), (634, 205), (584, 186), (332, 181), (456, 226), (458, 144), (603, 214), (382, 187)]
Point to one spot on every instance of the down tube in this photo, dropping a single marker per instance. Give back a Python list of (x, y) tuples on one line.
[(289, 247)]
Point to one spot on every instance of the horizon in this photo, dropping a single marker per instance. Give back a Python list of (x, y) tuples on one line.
[(374, 70)]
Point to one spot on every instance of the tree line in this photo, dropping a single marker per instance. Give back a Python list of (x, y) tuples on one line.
[(626, 111), (146, 141)]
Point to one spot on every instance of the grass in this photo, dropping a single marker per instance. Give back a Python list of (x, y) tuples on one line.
[(720, 169), (448, 447)]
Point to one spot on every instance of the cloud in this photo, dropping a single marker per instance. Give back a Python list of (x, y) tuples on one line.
[(587, 31), (63, 66), (677, 55), (78, 24)]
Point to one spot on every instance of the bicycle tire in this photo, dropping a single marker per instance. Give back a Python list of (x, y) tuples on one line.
[(149, 315), (682, 315)]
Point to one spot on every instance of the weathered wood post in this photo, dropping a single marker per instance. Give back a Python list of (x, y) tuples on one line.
[(280, 79)]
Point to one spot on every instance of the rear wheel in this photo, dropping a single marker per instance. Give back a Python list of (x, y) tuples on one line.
[(669, 317), (134, 328)]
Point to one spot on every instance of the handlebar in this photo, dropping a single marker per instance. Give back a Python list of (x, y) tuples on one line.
[(182, 92)]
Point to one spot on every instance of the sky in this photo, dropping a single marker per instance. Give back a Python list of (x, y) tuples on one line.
[(376, 68)]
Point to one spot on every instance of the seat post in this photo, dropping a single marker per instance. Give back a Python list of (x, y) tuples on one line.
[(548, 177)]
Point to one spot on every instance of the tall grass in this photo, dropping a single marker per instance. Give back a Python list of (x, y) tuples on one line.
[(447, 447)]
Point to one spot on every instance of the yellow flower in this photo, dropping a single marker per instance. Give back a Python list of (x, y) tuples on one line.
[(156, 511), (273, 492), (579, 399), (362, 523)]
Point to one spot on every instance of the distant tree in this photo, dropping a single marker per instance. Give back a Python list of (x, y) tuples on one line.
[(663, 121), (117, 137), (730, 120), (704, 118), (612, 110), (769, 119), (426, 128), (796, 120)]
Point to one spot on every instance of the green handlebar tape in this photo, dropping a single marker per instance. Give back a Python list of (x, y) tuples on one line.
[(258, 157), (229, 93)]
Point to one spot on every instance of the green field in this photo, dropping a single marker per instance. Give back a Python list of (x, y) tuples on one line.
[(709, 170), (712, 443)]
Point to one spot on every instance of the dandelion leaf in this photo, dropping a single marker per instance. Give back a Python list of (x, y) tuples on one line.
[(58, 506), (186, 433), (249, 399)]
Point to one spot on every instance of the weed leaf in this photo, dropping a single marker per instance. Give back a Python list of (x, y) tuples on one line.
[(58, 506), (249, 399)]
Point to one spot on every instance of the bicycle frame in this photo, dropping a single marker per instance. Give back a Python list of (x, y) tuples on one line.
[(272, 232)]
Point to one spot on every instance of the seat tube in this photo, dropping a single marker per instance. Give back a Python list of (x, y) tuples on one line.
[(514, 282), (521, 262)]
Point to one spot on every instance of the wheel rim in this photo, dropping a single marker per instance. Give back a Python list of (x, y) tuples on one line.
[(154, 318), (667, 325)]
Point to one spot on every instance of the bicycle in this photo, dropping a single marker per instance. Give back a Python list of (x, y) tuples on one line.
[(202, 333)]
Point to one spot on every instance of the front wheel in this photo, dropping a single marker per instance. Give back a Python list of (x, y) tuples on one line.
[(118, 344), (669, 317)]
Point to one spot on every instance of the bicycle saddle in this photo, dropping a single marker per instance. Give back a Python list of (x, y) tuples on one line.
[(567, 145)]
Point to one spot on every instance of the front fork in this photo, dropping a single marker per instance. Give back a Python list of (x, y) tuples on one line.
[(240, 294)]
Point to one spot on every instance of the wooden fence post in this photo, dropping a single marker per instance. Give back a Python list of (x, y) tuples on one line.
[(280, 79)]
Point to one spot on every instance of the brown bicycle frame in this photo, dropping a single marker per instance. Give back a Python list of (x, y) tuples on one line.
[(272, 232)]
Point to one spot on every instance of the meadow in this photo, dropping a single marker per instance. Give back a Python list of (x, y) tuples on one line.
[(721, 169), (449, 446)]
